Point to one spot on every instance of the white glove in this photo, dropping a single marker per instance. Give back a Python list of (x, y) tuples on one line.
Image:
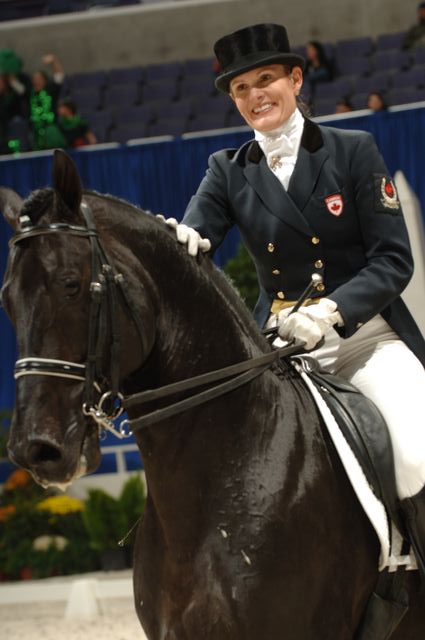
[(187, 235), (309, 324)]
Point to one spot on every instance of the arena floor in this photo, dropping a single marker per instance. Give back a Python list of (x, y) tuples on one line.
[(46, 621)]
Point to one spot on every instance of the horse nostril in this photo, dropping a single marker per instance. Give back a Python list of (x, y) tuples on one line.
[(40, 452)]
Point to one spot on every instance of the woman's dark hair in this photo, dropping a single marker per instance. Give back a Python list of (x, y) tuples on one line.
[(323, 60), (381, 98), (345, 101), (68, 102)]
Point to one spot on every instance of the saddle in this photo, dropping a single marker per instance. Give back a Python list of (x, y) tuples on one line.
[(365, 430)]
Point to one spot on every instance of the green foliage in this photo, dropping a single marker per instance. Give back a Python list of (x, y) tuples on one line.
[(18, 539), (5, 417), (241, 271), (43, 534), (132, 500), (108, 520), (104, 519)]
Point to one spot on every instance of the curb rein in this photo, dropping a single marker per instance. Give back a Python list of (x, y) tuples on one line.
[(104, 288)]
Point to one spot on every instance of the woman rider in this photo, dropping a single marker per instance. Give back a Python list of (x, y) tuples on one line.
[(308, 198)]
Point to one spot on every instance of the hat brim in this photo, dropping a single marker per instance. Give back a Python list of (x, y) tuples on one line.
[(253, 61)]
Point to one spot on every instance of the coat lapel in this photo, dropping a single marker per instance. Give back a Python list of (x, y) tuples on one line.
[(288, 205), (311, 156)]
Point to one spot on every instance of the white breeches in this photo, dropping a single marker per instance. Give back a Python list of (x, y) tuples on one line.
[(378, 363)]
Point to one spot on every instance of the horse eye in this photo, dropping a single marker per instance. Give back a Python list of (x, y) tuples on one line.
[(72, 287)]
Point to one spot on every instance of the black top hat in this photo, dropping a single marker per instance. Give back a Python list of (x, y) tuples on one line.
[(252, 47)]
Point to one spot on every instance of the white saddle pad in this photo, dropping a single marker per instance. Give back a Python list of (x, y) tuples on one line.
[(389, 558)]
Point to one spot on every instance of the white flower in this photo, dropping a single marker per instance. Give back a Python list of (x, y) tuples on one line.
[(43, 543)]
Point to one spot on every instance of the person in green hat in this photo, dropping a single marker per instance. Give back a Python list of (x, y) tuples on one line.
[(75, 130), (14, 85)]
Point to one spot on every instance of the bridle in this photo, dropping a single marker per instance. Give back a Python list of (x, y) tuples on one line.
[(106, 289), (107, 285)]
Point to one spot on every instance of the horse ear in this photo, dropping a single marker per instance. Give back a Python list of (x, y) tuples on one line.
[(10, 205), (66, 180)]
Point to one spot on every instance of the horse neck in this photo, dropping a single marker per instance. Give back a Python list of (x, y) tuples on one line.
[(201, 323)]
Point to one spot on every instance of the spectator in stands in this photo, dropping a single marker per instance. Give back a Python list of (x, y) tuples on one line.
[(286, 191), (376, 101), (17, 81), (75, 130), (9, 108), (343, 105), (318, 67), (43, 103), (415, 36)]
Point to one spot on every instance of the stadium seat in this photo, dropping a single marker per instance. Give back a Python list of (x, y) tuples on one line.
[(168, 127), (218, 103), (180, 109), (192, 86), (334, 89), (122, 95), (390, 41), (87, 99), (418, 56), (324, 107), (65, 6), (359, 100), (391, 59), (379, 81), (90, 80), (18, 9), (160, 90), (235, 120), (358, 65), (207, 121), (405, 95), (127, 131), (143, 113), (354, 47), (197, 67), (413, 77), (128, 75), (155, 72), (100, 122)]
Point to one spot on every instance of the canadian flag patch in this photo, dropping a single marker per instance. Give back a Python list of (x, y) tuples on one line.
[(335, 204)]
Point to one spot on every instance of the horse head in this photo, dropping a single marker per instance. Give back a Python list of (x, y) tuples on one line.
[(48, 293)]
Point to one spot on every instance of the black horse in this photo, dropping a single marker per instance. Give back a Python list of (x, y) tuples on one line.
[(251, 528)]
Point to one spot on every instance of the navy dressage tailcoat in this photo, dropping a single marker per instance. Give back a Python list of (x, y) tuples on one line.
[(340, 217)]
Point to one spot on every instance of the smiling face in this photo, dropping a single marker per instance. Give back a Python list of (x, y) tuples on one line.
[(266, 97)]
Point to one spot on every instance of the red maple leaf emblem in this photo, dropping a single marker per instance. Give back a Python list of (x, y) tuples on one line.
[(389, 189), (335, 207)]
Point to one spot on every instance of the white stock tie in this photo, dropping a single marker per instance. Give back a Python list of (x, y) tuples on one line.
[(280, 147)]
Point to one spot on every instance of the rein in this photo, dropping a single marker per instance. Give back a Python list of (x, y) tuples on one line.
[(103, 310)]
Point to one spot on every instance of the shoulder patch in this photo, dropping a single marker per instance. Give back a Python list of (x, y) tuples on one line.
[(385, 195)]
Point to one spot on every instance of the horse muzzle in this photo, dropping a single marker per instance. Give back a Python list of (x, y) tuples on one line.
[(50, 458)]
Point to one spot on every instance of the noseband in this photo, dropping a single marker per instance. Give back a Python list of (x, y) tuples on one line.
[(105, 283)]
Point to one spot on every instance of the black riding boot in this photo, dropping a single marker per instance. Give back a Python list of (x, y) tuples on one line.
[(413, 510)]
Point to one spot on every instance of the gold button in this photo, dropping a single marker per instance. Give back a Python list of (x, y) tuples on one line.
[(270, 247), (315, 240), (318, 264), (320, 287), (280, 295), (276, 272)]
